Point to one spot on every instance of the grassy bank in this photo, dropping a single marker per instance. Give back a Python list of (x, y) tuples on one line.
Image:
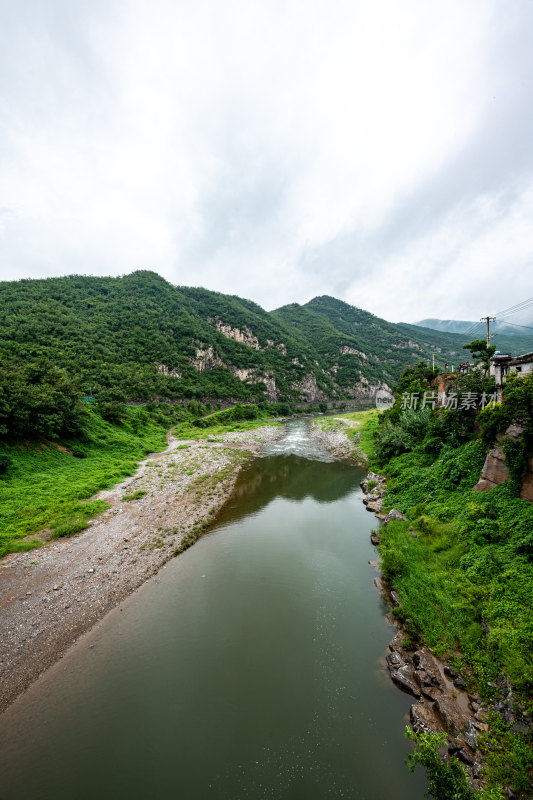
[(462, 563), (48, 485), (465, 585), (234, 419)]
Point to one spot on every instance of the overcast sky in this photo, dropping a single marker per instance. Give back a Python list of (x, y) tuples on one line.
[(380, 151)]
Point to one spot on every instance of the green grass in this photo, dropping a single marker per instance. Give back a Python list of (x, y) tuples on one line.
[(186, 430), (466, 581), (134, 495), (47, 488), (466, 584)]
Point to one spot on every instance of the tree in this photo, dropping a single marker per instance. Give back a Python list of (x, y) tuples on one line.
[(37, 399), (480, 352)]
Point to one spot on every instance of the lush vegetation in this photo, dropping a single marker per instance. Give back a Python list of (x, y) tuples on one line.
[(235, 418), (466, 579), (447, 781), (140, 338), (48, 485)]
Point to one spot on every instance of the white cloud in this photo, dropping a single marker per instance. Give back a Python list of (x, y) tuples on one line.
[(273, 150)]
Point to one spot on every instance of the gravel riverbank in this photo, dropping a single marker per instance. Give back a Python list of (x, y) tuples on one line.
[(332, 433), (50, 596)]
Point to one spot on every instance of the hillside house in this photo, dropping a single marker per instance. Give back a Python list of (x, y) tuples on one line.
[(504, 363)]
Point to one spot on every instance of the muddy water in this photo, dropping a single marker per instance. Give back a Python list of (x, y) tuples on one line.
[(249, 668)]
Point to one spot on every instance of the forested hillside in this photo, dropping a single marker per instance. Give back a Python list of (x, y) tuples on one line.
[(140, 338)]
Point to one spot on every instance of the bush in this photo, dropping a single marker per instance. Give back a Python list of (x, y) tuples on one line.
[(447, 781), (69, 528), (112, 411), (38, 399), (5, 462)]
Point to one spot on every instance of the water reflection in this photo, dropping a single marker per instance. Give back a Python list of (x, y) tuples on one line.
[(291, 477)]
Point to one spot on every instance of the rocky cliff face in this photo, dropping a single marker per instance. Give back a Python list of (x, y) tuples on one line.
[(496, 471), (206, 359), (164, 370), (253, 376), (308, 390), (346, 351), (244, 336)]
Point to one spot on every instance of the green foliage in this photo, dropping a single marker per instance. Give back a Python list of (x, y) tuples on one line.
[(466, 580), (48, 488), (5, 462), (134, 495), (37, 399), (480, 351), (138, 337), (112, 411), (447, 780), (394, 438), (509, 755), (69, 528), (235, 413)]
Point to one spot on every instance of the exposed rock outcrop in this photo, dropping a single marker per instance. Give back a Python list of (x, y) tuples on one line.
[(244, 336), (494, 471), (253, 376), (164, 370), (308, 389), (206, 359), (393, 515), (345, 351)]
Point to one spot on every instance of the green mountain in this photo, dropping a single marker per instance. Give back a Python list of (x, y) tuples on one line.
[(138, 337)]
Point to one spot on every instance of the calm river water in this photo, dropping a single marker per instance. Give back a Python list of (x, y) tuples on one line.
[(249, 668)]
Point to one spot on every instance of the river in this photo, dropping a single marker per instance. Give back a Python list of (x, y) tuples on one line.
[(250, 667)]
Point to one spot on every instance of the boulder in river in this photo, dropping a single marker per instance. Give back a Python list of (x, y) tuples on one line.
[(404, 678), (394, 660)]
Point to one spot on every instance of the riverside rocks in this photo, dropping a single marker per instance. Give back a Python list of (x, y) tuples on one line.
[(441, 704), (438, 707), (394, 514)]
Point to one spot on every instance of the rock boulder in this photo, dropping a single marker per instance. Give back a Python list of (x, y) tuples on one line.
[(494, 471)]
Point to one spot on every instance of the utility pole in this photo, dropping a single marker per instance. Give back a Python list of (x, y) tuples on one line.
[(433, 356), (488, 320)]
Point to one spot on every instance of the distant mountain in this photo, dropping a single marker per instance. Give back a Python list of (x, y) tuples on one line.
[(462, 326), (138, 337)]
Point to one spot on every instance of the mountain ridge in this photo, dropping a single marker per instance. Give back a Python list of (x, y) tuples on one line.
[(138, 337)]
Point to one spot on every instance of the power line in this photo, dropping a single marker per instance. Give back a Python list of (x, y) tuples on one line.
[(518, 310), (514, 308), (517, 325)]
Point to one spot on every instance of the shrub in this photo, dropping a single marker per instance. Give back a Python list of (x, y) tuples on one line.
[(5, 462), (112, 411), (69, 528), (134, 495)]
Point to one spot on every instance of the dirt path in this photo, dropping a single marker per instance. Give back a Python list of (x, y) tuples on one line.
[(48, 597)]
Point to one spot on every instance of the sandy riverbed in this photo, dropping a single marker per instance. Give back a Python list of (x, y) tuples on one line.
[(48, 597)]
